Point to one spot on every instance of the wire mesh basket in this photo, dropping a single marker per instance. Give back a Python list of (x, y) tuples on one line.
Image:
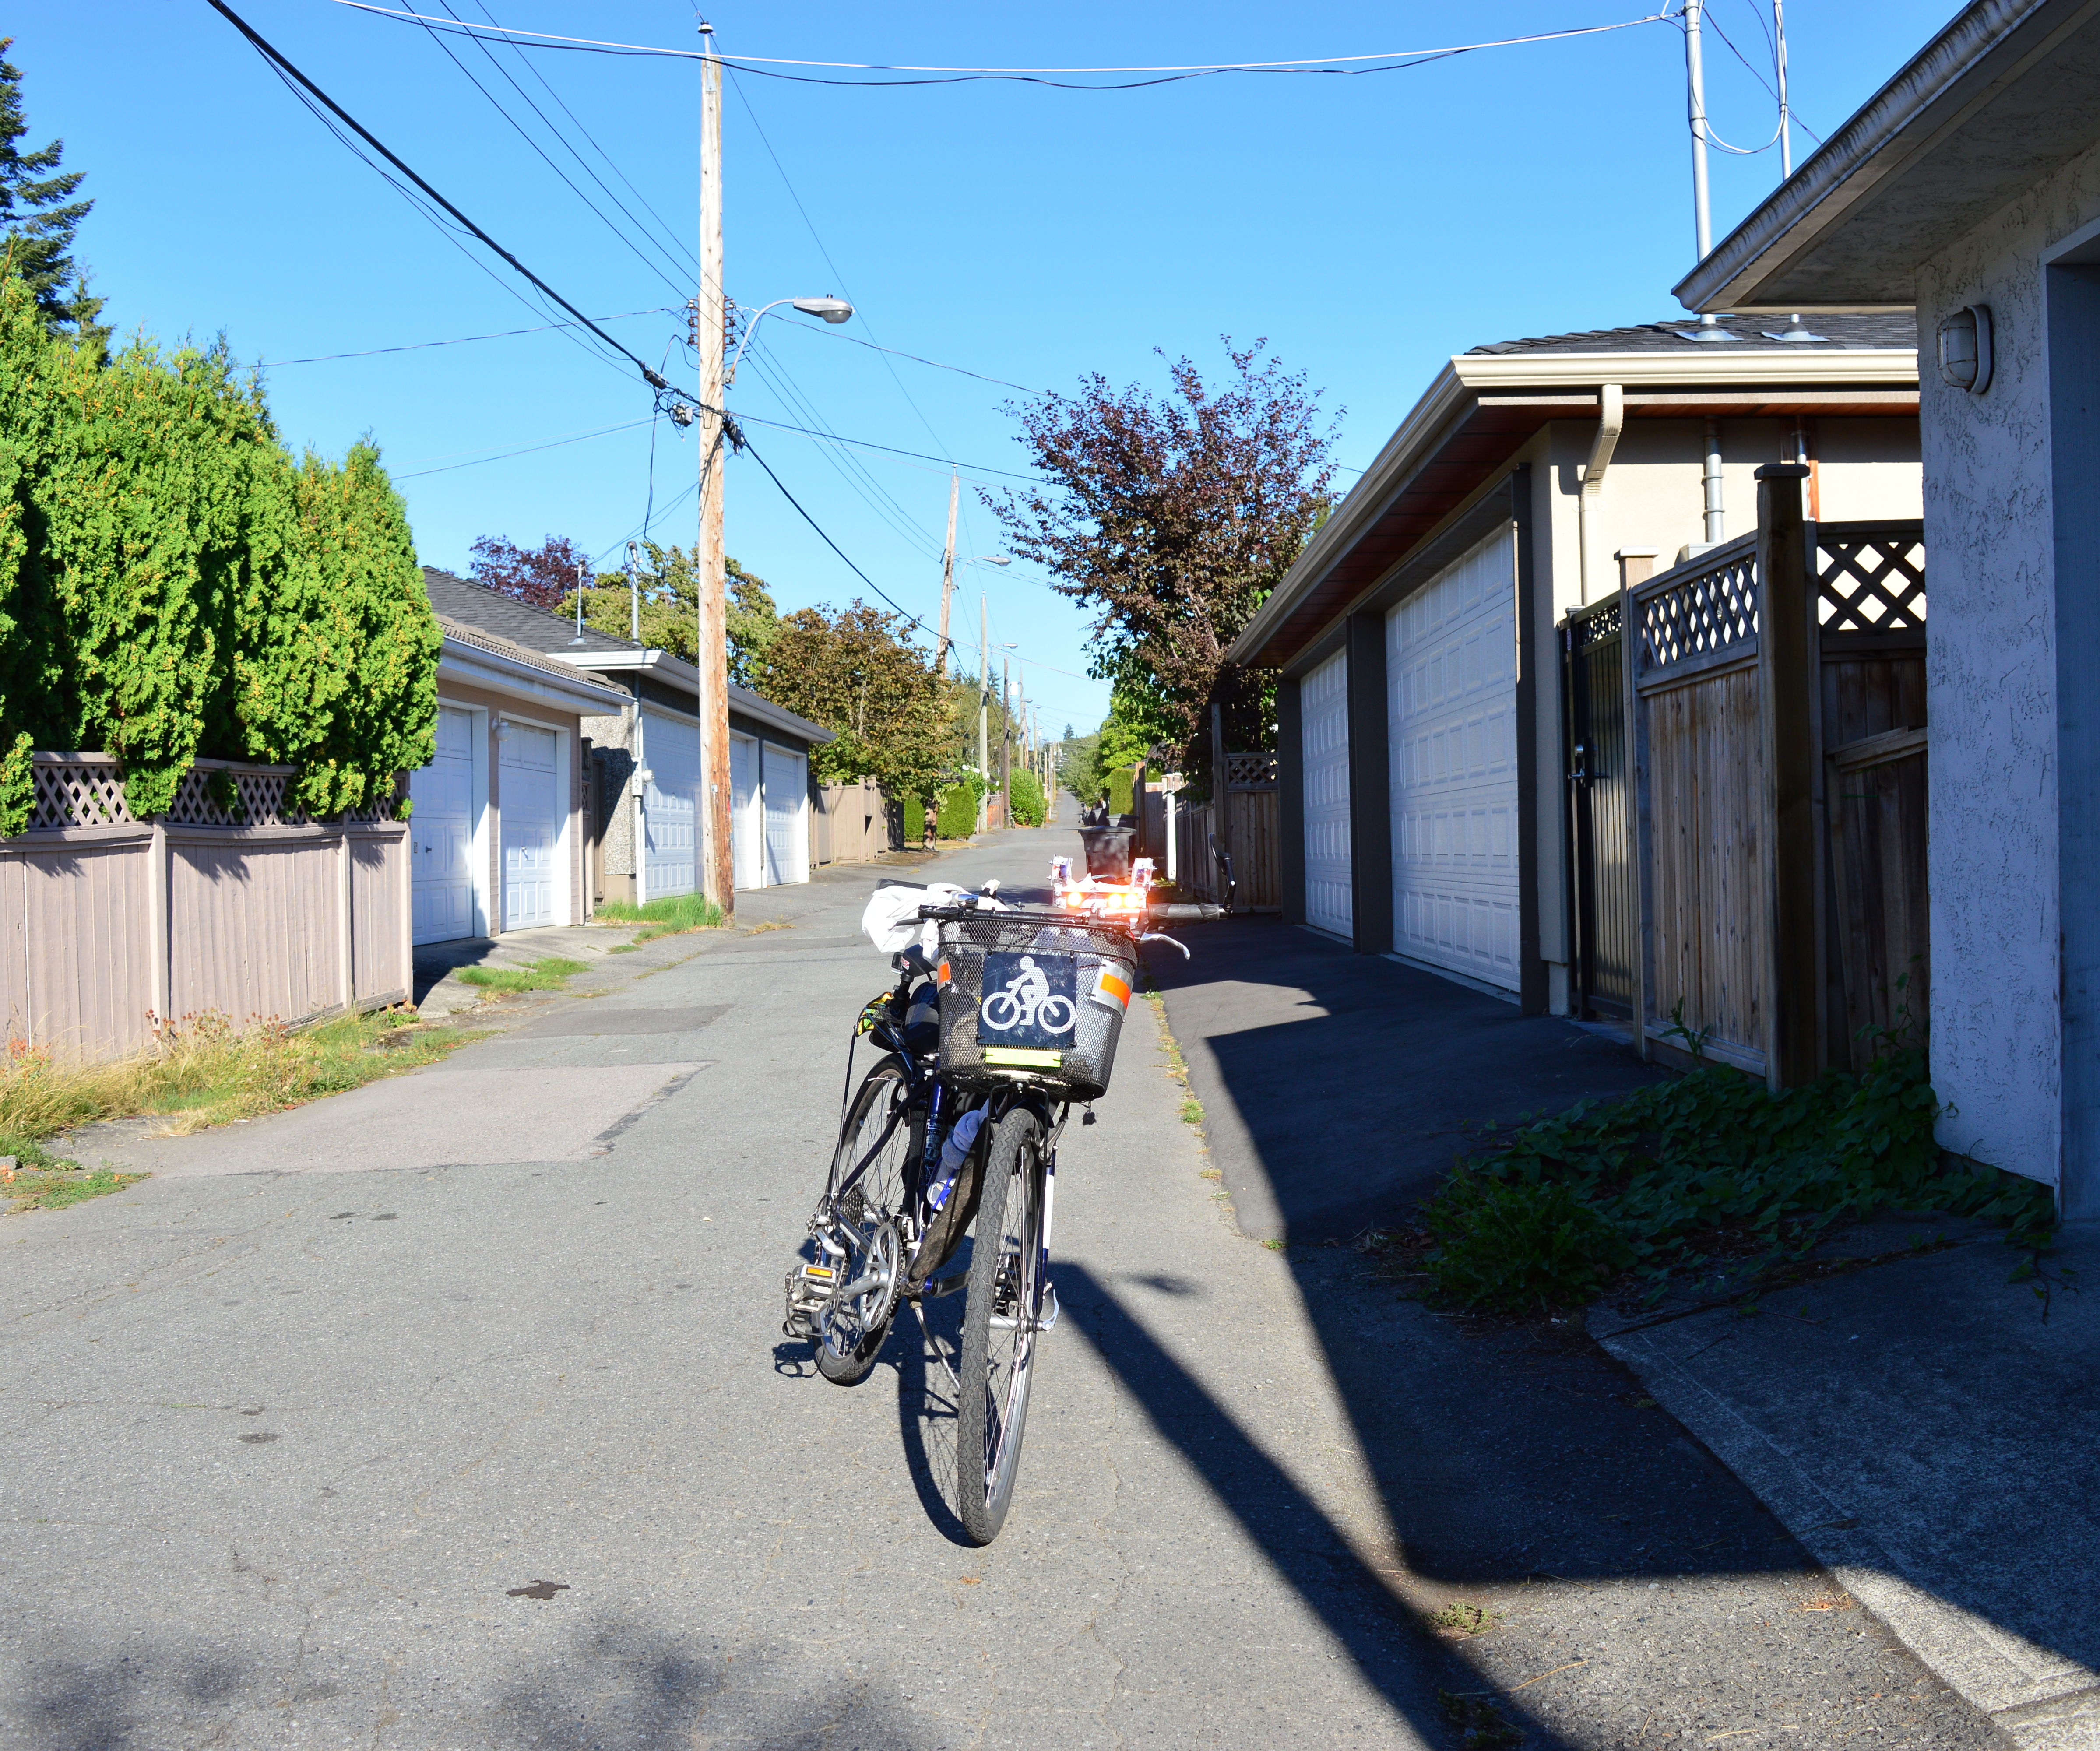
[(1037, 995)]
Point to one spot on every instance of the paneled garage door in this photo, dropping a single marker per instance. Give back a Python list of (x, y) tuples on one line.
[(671, 746), (441, 834), (747, 814), (786, 785), (1451, 716), (1323, 699), (531, 828)]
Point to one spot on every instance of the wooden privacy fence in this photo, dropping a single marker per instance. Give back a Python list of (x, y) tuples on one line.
[(1251, 838), (851, 823), (109, 923), (1775, 699)]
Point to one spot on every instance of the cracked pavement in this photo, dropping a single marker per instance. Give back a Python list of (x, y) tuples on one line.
[(511, 1453)]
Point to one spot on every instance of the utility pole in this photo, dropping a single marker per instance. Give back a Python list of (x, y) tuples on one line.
[(1785, 115), (984, 703), (718, 858), (1006, 737), (1695, 77), (633, 593), (947, 575)]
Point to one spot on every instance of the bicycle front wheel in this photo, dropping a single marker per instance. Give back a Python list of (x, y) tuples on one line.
[(1005, 1298)]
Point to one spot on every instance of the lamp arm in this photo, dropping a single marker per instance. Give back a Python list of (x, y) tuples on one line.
[(750, 328)]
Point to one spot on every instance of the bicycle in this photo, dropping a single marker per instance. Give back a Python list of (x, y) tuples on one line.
[(895, 1208)]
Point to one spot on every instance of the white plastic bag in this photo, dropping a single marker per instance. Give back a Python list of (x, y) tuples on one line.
[(891, 921)]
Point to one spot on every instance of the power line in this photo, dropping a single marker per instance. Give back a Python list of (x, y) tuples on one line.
[(867, 443), (839, 334), (551, 444), (500, 334), (654, 379), (1340, 65)]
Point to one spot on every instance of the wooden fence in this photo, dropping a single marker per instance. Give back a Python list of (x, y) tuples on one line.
[(1252, 838), (851, 823), (1775, 698), (110, 925)]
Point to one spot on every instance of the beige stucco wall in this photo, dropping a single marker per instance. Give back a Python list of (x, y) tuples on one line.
[(1990, 690)]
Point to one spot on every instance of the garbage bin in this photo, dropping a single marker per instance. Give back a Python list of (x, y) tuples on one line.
[(1109, 851)]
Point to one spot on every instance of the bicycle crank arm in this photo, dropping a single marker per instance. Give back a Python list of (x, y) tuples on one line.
[(859, 1286)]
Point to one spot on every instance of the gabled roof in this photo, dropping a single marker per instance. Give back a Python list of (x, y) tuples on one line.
[(1486, 405), (1880, 332), (1994, 102), (472, 604)]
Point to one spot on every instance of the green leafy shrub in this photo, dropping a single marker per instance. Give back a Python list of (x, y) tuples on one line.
[(956, 817), (1710, 1161), (1029, 807), (173, 583), (1120, 790), (1511, 1246)]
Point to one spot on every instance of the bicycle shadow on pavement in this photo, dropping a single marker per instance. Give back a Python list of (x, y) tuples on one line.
[(1391, 1647)]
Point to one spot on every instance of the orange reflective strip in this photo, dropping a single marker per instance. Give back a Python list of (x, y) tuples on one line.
[(942, 975), (1112, 986)]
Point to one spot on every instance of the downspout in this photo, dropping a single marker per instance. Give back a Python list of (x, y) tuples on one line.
[(637, 778), (1611, 421), (1715, 531)]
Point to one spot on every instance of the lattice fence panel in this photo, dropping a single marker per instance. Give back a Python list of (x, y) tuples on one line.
[(1709, 612), (1250, 772), (1591, 628), (1871, 583), (76, 793)]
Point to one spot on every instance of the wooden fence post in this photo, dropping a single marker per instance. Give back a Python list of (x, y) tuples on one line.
[(1788, 685)]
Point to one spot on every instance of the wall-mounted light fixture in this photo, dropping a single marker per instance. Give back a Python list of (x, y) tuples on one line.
[(1965, 348)]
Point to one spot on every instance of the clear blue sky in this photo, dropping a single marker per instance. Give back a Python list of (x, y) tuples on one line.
[(1368, 226)]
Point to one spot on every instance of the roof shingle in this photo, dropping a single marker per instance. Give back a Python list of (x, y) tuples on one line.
[(1895, 331)]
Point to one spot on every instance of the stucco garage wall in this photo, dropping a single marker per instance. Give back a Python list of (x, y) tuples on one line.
[(1991, 690)]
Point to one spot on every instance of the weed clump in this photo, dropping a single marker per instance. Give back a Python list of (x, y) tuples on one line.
[(671, 915), (1708, 1163), (548, 974)]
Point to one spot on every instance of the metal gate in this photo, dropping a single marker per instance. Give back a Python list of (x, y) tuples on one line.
[(1599, 822)]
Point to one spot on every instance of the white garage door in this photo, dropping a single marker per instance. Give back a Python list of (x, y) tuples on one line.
[(526, 802), (670, 809), (787, 791), (1451, 714), (1323, 699), (746, 815), (441, 834)]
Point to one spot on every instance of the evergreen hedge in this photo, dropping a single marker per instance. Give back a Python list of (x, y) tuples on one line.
[(1027, 800), (174, 583)]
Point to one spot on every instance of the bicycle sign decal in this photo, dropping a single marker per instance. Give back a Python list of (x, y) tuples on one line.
[(1030, 999)]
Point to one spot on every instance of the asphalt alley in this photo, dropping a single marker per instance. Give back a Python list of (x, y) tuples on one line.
[(416, 1441)]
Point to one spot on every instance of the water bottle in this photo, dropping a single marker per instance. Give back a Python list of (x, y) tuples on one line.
[(954, 1153)]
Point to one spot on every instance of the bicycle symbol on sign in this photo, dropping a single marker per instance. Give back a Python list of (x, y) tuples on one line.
[(1028, 1001)]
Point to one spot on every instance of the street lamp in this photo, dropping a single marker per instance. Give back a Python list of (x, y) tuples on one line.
[(832, 310)]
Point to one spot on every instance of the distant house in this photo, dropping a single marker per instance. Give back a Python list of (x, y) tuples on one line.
[(1969, 186), (1423, 781), (500, 833)]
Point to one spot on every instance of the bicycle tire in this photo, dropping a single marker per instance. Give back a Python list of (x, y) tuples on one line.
[(881, 1186), (999, 1349)]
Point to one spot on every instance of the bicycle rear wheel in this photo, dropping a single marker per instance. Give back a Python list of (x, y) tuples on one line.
[(876, 1147), (1000, 1335)]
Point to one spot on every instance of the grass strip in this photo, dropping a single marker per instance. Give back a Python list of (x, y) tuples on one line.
[(208, 1071), (672, 916), (1708, 1166), (550, 973)]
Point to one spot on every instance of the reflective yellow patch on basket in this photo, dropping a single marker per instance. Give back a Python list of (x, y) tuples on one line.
[(1111, 993), (1022, 1058)]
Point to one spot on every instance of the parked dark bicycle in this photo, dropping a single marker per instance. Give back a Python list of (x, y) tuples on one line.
[(993, 1030)]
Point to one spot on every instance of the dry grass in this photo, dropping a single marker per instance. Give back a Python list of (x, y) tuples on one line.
[(207, 1071)]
